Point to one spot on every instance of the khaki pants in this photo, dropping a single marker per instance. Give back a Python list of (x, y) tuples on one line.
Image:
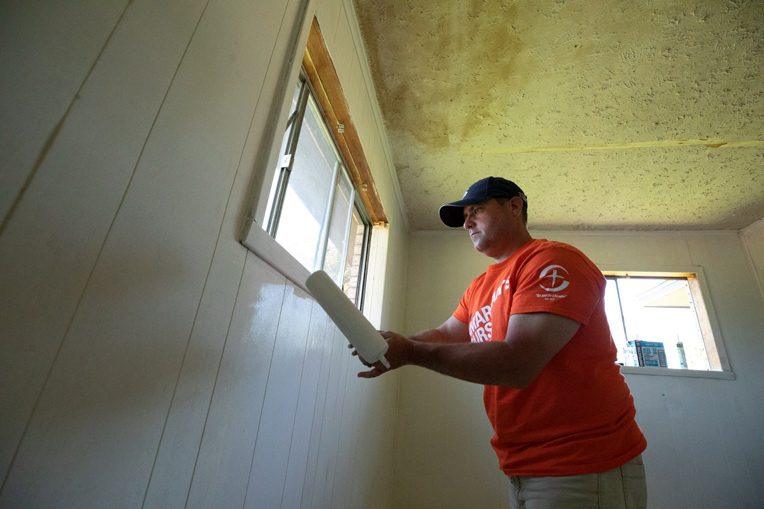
[(621, 488)]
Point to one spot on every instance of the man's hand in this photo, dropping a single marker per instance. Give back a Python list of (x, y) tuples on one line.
[(397, 355), (400, 348)]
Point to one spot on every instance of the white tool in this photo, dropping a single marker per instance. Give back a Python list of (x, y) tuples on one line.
[(369, 344)]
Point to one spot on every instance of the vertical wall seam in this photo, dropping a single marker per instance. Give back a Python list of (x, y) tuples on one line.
[(180, 372), (6, 220), (215, 384), (225, 215), (42, 156), (689, 250), (265, 392), (209, 269), (252, 191), (313, 417), (318, 420), (344, 388), (297, 406), (38, 162)]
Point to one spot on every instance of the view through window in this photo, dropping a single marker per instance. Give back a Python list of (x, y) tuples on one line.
[(313, 211), (660, 322)]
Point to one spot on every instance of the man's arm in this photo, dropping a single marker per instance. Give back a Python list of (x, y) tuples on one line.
[(450, 331), (532, 340)]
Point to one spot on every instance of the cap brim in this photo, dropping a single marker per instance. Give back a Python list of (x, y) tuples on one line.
[(452, 214)]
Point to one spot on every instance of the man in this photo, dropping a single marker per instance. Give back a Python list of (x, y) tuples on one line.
[(533, 330)]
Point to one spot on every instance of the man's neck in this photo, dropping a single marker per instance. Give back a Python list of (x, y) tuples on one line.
[(518, 241)]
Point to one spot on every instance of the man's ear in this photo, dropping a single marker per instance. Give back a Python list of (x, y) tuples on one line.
[(516, 204)]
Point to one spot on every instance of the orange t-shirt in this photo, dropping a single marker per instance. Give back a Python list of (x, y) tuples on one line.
[(577, 416)]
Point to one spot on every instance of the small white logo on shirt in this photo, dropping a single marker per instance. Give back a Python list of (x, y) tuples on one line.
[(553, 278)]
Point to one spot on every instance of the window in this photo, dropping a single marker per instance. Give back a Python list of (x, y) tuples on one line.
[(313, 211), (315, 204), (661, 320)]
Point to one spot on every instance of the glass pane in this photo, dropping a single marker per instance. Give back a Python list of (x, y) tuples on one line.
[(307, 195), (661, 310), (615, 320), (283, 150), (353, 259), (336, 244)]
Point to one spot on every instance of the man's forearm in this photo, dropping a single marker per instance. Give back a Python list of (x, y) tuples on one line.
[(451, 331), (490, 363), (431, 336)]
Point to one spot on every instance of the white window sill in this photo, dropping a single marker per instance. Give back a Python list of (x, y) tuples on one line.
[(271, 252), (691, 373)]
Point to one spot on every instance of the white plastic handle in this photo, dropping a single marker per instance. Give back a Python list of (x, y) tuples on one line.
[(369, 344)]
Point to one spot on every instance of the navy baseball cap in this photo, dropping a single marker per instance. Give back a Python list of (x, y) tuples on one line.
[(452, 214)]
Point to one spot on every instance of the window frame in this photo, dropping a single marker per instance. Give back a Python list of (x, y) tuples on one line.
[(710, 330), (322, 78), (360, 291)]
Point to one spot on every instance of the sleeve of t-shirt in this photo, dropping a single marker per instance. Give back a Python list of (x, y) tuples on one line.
[(462, 311), (560, 281)]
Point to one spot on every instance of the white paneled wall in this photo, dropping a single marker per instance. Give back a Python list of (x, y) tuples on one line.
[(47, 72), (705, 436), (146, 358)]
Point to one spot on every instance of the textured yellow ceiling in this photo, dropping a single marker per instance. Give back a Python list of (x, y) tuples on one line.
[(610, 115)]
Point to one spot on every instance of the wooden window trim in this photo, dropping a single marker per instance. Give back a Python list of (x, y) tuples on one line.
[(323, 78)]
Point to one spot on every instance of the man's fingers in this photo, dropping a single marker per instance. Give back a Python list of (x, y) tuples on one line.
[(372, 373), (354, 353), (376, 369)]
